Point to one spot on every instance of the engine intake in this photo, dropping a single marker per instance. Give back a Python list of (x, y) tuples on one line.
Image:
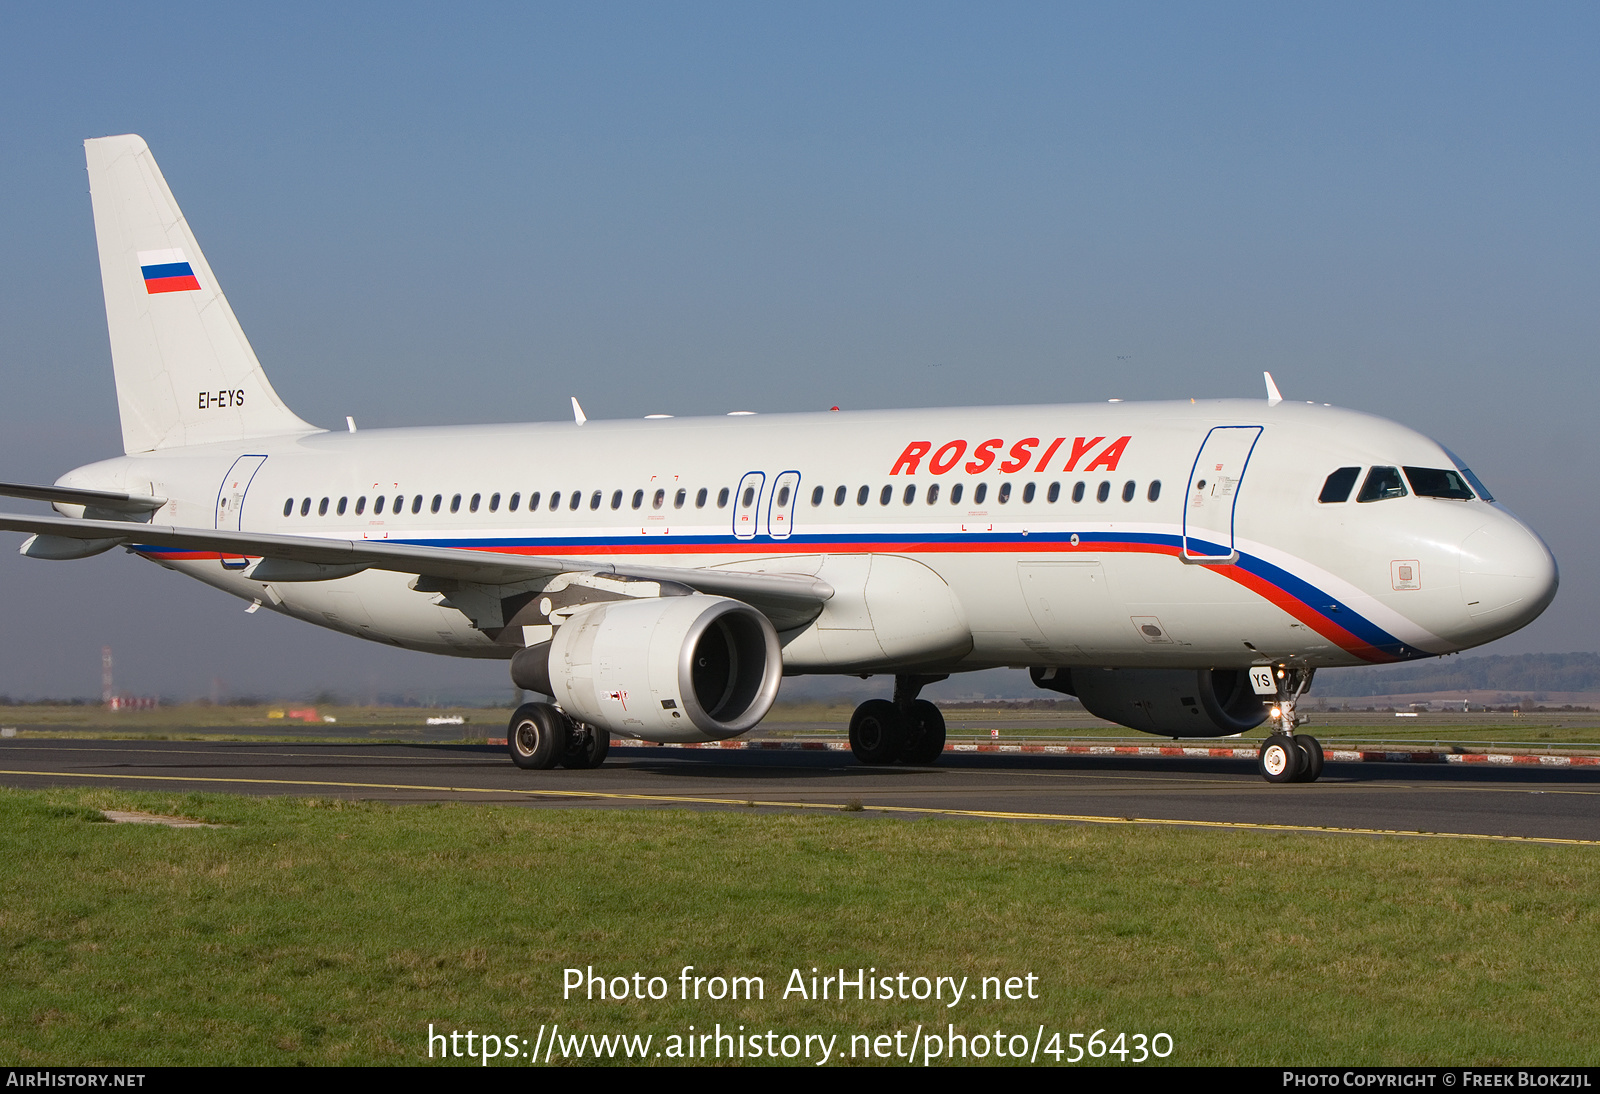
[(1167, 702), (682, 668)]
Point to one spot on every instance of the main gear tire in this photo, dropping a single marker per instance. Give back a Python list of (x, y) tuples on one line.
[(925, 735), (877, 733), (537, 736), (588, 748)]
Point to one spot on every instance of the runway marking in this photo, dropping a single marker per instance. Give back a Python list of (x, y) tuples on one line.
[(981, 814)]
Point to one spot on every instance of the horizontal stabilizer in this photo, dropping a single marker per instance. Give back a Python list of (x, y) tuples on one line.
[(137, 506)]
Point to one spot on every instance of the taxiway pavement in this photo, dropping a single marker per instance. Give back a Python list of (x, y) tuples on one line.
[(1543, 804)]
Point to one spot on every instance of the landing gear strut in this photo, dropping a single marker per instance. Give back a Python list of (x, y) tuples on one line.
[(909, 729), (1286, 756)]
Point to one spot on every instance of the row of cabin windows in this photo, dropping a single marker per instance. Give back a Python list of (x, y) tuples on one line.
[(980, 492), (658, 499), (574, 500), (1383, 483)]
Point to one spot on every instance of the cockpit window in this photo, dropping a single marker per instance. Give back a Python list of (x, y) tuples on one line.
[(1382, 483), (1472, 480), (1477, 484), (1431, 482), (1339, 485)]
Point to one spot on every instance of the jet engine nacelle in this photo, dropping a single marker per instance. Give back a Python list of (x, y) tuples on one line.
[(1168, 702), (678, 668)]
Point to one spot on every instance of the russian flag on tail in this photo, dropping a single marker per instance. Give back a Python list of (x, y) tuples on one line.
[(167, 271)]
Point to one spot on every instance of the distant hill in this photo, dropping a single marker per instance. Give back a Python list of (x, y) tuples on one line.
[(1526, 672)]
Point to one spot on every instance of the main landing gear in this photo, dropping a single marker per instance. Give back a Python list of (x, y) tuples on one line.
[(1286, 756), (540, 736), (908, 730)]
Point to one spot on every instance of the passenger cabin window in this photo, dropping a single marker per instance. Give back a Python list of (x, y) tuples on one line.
[(305, 507), (494, 503), (473, 504), (361, 505), (595, 500), (700, 499), (555, 500), (377, 505), (1104, 492), (1077, 491), (438, 500), (816, 496), (749, 496), (1054, 493), (955, 493), (679, 498), (1339, 485), (980, 492), (1382, 484), (1027, 493), (885, 495), (416, 504), (910, 494), (533, 502), (722, 498), (863, 494), (342, 503), (933, 493), (840, 494), (288, 507), (1155, 490), (638, 498), (1004, 494), (616, 499), (661, 496), (575, 499), (1429, 482), (515, 499), (1129, 489)]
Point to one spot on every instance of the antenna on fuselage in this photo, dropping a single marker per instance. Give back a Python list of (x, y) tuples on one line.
[(577, 412), (1274, 396)]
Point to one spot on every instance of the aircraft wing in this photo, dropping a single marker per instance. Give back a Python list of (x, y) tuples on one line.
[(788, 598)]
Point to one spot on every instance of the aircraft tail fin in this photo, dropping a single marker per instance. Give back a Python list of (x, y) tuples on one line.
[(185, 371)]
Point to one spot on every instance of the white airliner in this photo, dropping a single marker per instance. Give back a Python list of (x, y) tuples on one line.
[(1180, 567)]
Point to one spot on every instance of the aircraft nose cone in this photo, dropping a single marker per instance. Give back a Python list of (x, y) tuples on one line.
[(1508, 576)]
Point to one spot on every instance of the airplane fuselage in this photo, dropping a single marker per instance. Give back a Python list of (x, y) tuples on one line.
[(1050, 535)]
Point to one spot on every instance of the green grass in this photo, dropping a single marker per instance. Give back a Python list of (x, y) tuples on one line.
[(335, 932)]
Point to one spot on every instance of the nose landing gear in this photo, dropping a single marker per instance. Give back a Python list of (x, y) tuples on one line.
[(1286, 756)]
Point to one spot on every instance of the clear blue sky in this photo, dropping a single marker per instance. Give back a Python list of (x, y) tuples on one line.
[(464, 213)]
